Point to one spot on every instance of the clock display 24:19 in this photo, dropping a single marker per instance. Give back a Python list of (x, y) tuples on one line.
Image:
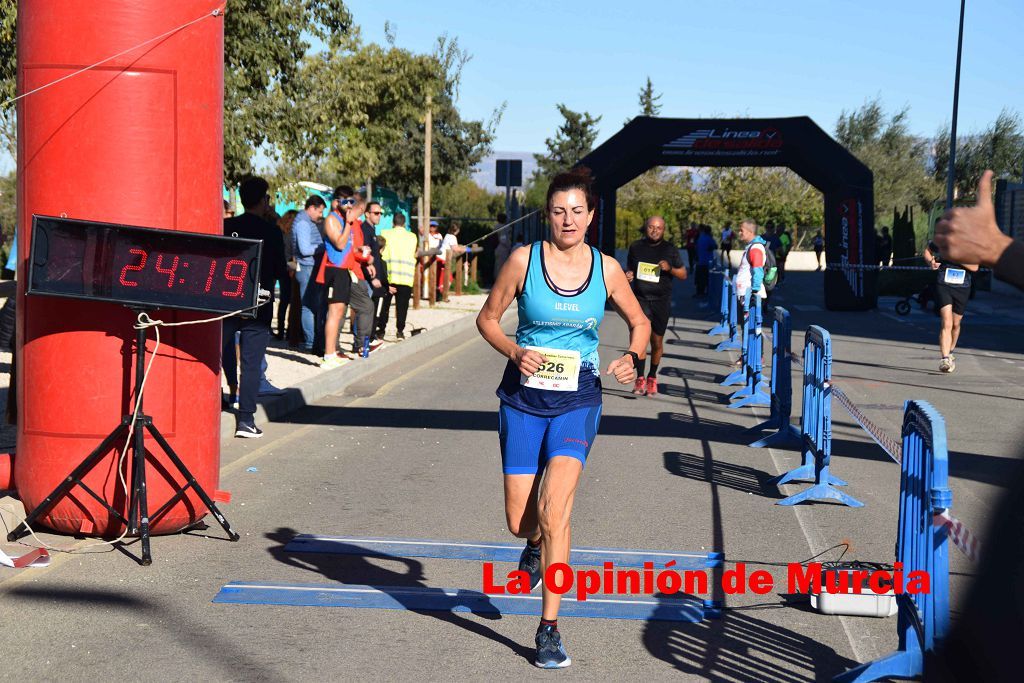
[(170, 271)]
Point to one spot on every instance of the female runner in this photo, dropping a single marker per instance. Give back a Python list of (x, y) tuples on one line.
[(551, 391)]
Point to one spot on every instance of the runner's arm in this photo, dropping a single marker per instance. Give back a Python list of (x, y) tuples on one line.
[(625, 303), (488, 322)]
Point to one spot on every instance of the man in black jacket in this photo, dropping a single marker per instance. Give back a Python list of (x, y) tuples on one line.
[(253, 334)]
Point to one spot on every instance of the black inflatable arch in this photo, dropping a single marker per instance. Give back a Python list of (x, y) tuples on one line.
[(797, 143)]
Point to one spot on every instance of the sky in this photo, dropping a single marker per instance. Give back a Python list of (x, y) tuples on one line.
[(716, 57)]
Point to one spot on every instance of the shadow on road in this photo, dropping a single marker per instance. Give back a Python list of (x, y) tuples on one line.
[(356, 569), (741, 647)]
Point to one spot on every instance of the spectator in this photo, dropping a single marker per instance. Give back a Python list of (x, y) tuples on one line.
[(253, 333), (334, 272), (306, 243), (819, 246), (380, 293), (726, 244), (376, 281), (359, 255), (785, 245), (705, 258), (434, 240), (399, 252), (445, 271), (690, 244), (504, 247), (884, 247), (284, 223)]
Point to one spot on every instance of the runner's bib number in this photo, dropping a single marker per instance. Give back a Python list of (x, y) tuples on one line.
[(955, 276), (648, 272), (561, 372)]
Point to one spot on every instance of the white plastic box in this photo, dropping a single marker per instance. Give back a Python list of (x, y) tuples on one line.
[(863, 604)]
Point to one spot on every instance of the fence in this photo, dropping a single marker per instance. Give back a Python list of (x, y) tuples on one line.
[(920, 545), (781, 400), (753, 394), (725, 294), (925, 524), (816, 426)]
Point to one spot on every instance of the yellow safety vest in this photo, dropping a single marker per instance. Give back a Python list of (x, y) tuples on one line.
[(400, 255)]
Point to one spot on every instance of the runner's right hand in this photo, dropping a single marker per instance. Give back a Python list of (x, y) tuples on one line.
[(629, 276), (528, 361)]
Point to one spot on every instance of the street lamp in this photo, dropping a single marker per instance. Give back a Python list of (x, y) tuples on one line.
[(956, 102)]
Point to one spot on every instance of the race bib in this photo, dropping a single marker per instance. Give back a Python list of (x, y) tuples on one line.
[(561, 372), (648, 272), (955, 276)]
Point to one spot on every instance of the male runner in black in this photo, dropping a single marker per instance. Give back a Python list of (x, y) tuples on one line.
[(650, 266)]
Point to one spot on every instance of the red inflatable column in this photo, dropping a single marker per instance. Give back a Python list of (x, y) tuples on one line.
[(136, 140)]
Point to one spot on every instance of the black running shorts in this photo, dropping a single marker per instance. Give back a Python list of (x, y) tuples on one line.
[(339, 285), (952, 296), (658, 311)]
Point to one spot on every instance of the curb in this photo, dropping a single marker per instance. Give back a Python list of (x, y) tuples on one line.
[(334, 381)]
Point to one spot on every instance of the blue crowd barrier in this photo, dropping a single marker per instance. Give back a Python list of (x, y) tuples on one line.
[(781, 387), (755, 391), (724, 288), (923, 619), (735, 340), (816, 426)]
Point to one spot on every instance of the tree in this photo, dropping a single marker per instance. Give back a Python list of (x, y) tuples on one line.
[(649, 102), (373, 126), (898, 160), (8, 74), (573, 141), (999, 147), (264, 45)]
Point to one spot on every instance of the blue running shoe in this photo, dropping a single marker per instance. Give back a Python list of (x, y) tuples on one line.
[(529, 562), (551, 652)]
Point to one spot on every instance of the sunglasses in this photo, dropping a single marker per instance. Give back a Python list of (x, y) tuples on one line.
[(375, 213), (347, 202)]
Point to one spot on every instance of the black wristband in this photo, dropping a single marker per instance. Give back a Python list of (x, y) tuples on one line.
[(636, 358)]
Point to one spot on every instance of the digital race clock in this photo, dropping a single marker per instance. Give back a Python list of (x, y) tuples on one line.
[(143, 267)]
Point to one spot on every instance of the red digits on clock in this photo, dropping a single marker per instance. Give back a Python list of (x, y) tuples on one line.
[(137, 267), (209, 278), (169, 271), (240, 278)]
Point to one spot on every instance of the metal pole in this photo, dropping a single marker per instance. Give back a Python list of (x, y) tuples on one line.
[(956, 103)]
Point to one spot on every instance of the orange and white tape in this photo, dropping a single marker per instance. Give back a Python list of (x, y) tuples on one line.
[(962, 537)]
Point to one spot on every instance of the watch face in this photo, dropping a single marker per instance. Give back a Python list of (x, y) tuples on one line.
[(143, 267)]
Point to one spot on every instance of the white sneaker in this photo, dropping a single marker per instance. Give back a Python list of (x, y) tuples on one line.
[(947, 365), (330, 362)]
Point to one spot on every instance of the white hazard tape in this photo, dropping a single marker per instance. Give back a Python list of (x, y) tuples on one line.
[(962, 537), (37, 557), (893, 447)]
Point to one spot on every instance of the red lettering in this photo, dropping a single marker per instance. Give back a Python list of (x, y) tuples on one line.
[(920, 582), (648, 578), (761, 582), (734, 580), (588, 582), (628, 582), (133, 267), (490, 587), (519, 582), (696, 582), (879, 582), (804, 579), (558, 578)]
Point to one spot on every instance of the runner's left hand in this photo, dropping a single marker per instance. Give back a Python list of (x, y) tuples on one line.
[(623, 370), (664, 265)]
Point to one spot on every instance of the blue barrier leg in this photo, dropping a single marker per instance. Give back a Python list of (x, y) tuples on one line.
[(734, 378), (755, 398), (821, 492), (788, 435), (895, 665)]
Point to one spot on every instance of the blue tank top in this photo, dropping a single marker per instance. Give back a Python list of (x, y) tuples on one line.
[(558, 321), (337, 257)]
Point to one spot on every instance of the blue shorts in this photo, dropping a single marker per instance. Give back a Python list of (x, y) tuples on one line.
[(529, 441)]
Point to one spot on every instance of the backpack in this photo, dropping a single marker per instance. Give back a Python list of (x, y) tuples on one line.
[(771, 270)]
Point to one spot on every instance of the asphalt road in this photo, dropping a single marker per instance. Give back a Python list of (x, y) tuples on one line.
[(412, 452)]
